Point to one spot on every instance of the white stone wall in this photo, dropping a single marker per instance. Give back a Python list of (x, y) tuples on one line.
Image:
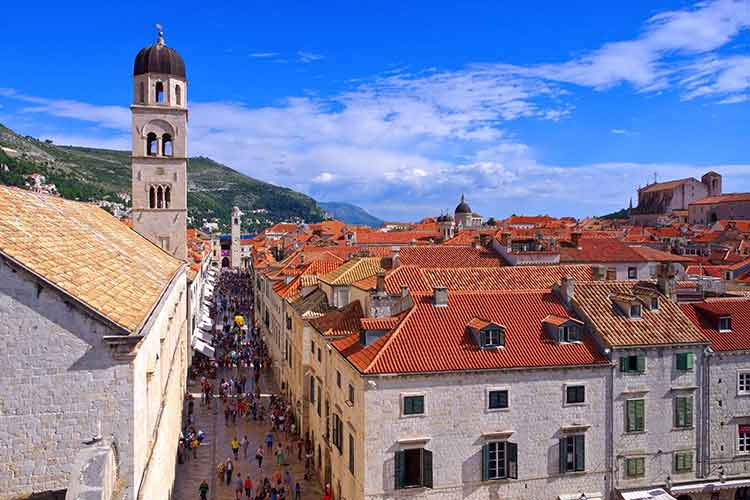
[(58, 388), (456, 417), (657, 386)]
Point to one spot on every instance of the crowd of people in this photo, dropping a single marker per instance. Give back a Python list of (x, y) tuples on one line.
[(241, 357)]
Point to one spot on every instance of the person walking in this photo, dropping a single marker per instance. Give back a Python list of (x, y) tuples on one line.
[(235, 445), (297, 491), (239, 487), (269, 441), (229, 469), (245, 444), (203, 489), (259, 456), (280, 456), (248, 487)]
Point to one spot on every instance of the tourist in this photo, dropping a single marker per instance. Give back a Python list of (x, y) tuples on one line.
[(279, 455), (235, 445), (239, 487), (245, 445), (297, 491), (194, 444), (203, 489), (269, 441), (229, 468), (259, 456), (248, 487), (287, 480)]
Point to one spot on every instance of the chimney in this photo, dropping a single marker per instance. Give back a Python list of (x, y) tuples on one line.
[(380, 283), (404, 290), (440, 296), (505, 239), (484, 239), (666, 281), (567, 290), (396, 257), (575, 238)]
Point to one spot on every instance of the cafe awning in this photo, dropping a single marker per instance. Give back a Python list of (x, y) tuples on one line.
[(709, 486), (202, 336), (652, 494), (203, 348)]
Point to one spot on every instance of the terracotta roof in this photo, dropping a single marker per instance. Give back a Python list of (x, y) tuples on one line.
[(653, 255), (600, 250), (440, 256), (316, 302), (435, 339), (354, 270), (395, 237), (466, 237), (723, 198), (386, 323), (594, 300), (659, 186), (737, 308), (87, 253), (339, 322)]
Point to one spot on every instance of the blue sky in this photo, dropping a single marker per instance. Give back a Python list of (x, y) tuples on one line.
[(546, 107)]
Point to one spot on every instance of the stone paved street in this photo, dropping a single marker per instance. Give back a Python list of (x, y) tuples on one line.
[(216, 449)]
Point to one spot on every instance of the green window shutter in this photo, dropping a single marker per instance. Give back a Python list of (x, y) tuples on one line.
[(502, 337), (641, 364), (427, 468), (623, 363), (681, 361), (485, 462), (511, 450), (400, 469), (689, 361), (580, 452), (688, 411), (640, 418), (563, 453)]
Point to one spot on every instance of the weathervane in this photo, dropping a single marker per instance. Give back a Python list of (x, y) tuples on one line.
[(160, 29)]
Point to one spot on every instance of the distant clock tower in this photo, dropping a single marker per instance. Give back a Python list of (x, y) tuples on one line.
[(159, 157)]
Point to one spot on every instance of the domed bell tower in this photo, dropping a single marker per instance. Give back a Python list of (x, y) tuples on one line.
[(159, 157)]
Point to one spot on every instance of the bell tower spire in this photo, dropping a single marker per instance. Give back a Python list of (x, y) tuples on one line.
[(159, 155)]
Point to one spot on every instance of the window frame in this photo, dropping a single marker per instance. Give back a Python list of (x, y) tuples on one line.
[(632, 426), (627, 368), (350, 394), (722, 320), (679, 468), (632, 273), (635, 307), (688, 364), (351, 454), (488, 396), (567, 387), (739, 440), (740, 391), (425, 468), (509, 460), (578, 444), (487, 342), (686, 420), (635, 473), (410, 397)]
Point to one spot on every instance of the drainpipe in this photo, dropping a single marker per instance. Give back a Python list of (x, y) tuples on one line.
[(705, 439)]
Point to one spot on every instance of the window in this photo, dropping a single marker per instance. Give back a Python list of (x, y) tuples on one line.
[(573, 453), (632, 273), (159, 197), (499, 461), (141, 93), (684, 361), (351, 394), (575, 394), (152, 197), (166, 145), (492, 337), (683, 412), (152, 144), (635, 420), (635, 310), (320, 397), (743, 383), (413, 468), (413, 405), (351, 454), (725, 324), (683, 461), (288, 322), (570, 333), (635, 467), (497, 400), (312, 347), (743, 438), (178, 95), (338, 379), (167, 196), (338, 433), (159, 94), (633, 364), (320, 357), (654, 303)]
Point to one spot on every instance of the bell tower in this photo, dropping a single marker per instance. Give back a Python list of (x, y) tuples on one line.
[(159, 157), (236, 249)]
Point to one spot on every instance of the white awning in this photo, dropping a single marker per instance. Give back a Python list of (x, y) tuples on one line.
[(199, 334), (709, 486), (203, 348), (652, 494), (577, 496)]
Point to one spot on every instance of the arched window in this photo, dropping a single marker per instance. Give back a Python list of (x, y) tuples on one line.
[(152, 144), (159, 197), (167, 196), (159, 92), (166, 145), (151, 197), (141, 93), (178, 95)]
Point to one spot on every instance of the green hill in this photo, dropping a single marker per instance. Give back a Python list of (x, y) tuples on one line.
[(91, 174)]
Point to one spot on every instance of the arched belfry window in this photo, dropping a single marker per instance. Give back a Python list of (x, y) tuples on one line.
[(159, 92), (152, 144), (152, 197), (166, 145), (178, 95), (159, 197), (167, 196), (141, 93)]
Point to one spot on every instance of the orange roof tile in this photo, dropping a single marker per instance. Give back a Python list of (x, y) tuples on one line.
[(600, 250), (739, 310), (441, 256), (339, 322), (723, 198)]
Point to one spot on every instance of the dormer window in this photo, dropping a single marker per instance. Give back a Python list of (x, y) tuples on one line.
[(725, 324), (654, 303), (492, 337), (570, 333), (635, 311)]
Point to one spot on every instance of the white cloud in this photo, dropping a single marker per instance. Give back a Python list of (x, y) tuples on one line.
[(324, 178), (264, 55), (305, 56), (622, 131)]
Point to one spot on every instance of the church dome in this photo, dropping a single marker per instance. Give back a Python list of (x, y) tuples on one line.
[(463, 207), (445, 218), (158, 58)]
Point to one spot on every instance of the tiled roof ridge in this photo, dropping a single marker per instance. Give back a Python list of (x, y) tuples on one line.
[(391, 336), (491, 291)]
